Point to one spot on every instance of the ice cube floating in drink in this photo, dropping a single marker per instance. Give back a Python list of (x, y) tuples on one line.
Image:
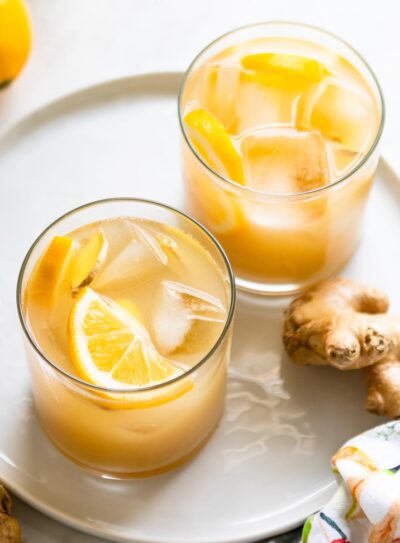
[(126, 306), (280, 126)]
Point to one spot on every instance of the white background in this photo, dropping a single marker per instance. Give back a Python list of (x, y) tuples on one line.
[(80, 42)]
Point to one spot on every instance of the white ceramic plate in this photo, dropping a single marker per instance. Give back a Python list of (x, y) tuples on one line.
[(267, 466)]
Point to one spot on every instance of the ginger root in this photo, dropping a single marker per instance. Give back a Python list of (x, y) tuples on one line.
[(9, 528), (384, 388), (345, 324), (341, 323)]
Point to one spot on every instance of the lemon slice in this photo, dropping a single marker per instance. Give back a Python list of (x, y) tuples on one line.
[(288, 70), (110, 347), (89, 259), (131, 308), (218, 210), (213, 143), (50, 277)]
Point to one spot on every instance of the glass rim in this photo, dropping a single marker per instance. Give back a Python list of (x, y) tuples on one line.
[(286, 195), (125, 391)]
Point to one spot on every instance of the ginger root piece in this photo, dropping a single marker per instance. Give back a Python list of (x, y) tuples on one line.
[(344, 324), (341, 323), (9, 528), (384, 388)]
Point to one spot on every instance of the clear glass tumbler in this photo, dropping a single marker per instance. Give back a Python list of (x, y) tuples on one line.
[(277, 242), (132, 432)]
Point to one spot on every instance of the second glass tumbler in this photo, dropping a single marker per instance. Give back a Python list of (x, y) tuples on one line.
[(280, 127)]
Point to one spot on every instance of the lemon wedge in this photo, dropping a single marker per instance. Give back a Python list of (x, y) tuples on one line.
[(110, 348), (89, 258), (212, 141), (285, 69), (50, 277), (218, 210)]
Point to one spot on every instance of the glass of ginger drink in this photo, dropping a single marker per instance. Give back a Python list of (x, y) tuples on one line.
[(280, 127), (126, 307)]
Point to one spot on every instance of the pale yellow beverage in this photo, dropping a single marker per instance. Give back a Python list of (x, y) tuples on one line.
[(130, 320), (280, 124)]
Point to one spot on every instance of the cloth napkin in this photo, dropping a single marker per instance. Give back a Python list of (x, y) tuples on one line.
[(366, 507)]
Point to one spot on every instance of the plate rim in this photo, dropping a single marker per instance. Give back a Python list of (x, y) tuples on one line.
[(124, 537)]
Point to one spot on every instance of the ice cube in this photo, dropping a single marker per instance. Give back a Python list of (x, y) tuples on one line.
[(118, 235), (340, 111), (274, 217), (149, 238), (257, 105), (170, 326), (167, 244), (198, 305), (133, 265), (285, 160), (178, 308), (144, 252)]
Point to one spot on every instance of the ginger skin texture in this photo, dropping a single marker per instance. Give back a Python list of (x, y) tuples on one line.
[(384, 388), (345, 324), (9, 528)]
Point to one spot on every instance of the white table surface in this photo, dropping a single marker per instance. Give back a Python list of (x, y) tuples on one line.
[(81, 42)]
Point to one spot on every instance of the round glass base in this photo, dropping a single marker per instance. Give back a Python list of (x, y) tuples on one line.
[(288, 289), (116, 475)]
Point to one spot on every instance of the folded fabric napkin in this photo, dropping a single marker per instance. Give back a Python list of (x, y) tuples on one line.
[(366, 507)]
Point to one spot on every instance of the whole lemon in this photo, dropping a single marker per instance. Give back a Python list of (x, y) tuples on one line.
[(15, 39)]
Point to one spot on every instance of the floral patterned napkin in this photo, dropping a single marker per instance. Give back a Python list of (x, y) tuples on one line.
[(366, 507)]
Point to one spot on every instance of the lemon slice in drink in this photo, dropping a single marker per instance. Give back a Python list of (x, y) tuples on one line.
[(50, 277), (285, 69), (212, 141), (65, 265), (110, 348), (219, 209), (89, 259)]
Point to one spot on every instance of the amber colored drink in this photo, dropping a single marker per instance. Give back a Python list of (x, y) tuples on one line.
[(128, 333), (280, 124)]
